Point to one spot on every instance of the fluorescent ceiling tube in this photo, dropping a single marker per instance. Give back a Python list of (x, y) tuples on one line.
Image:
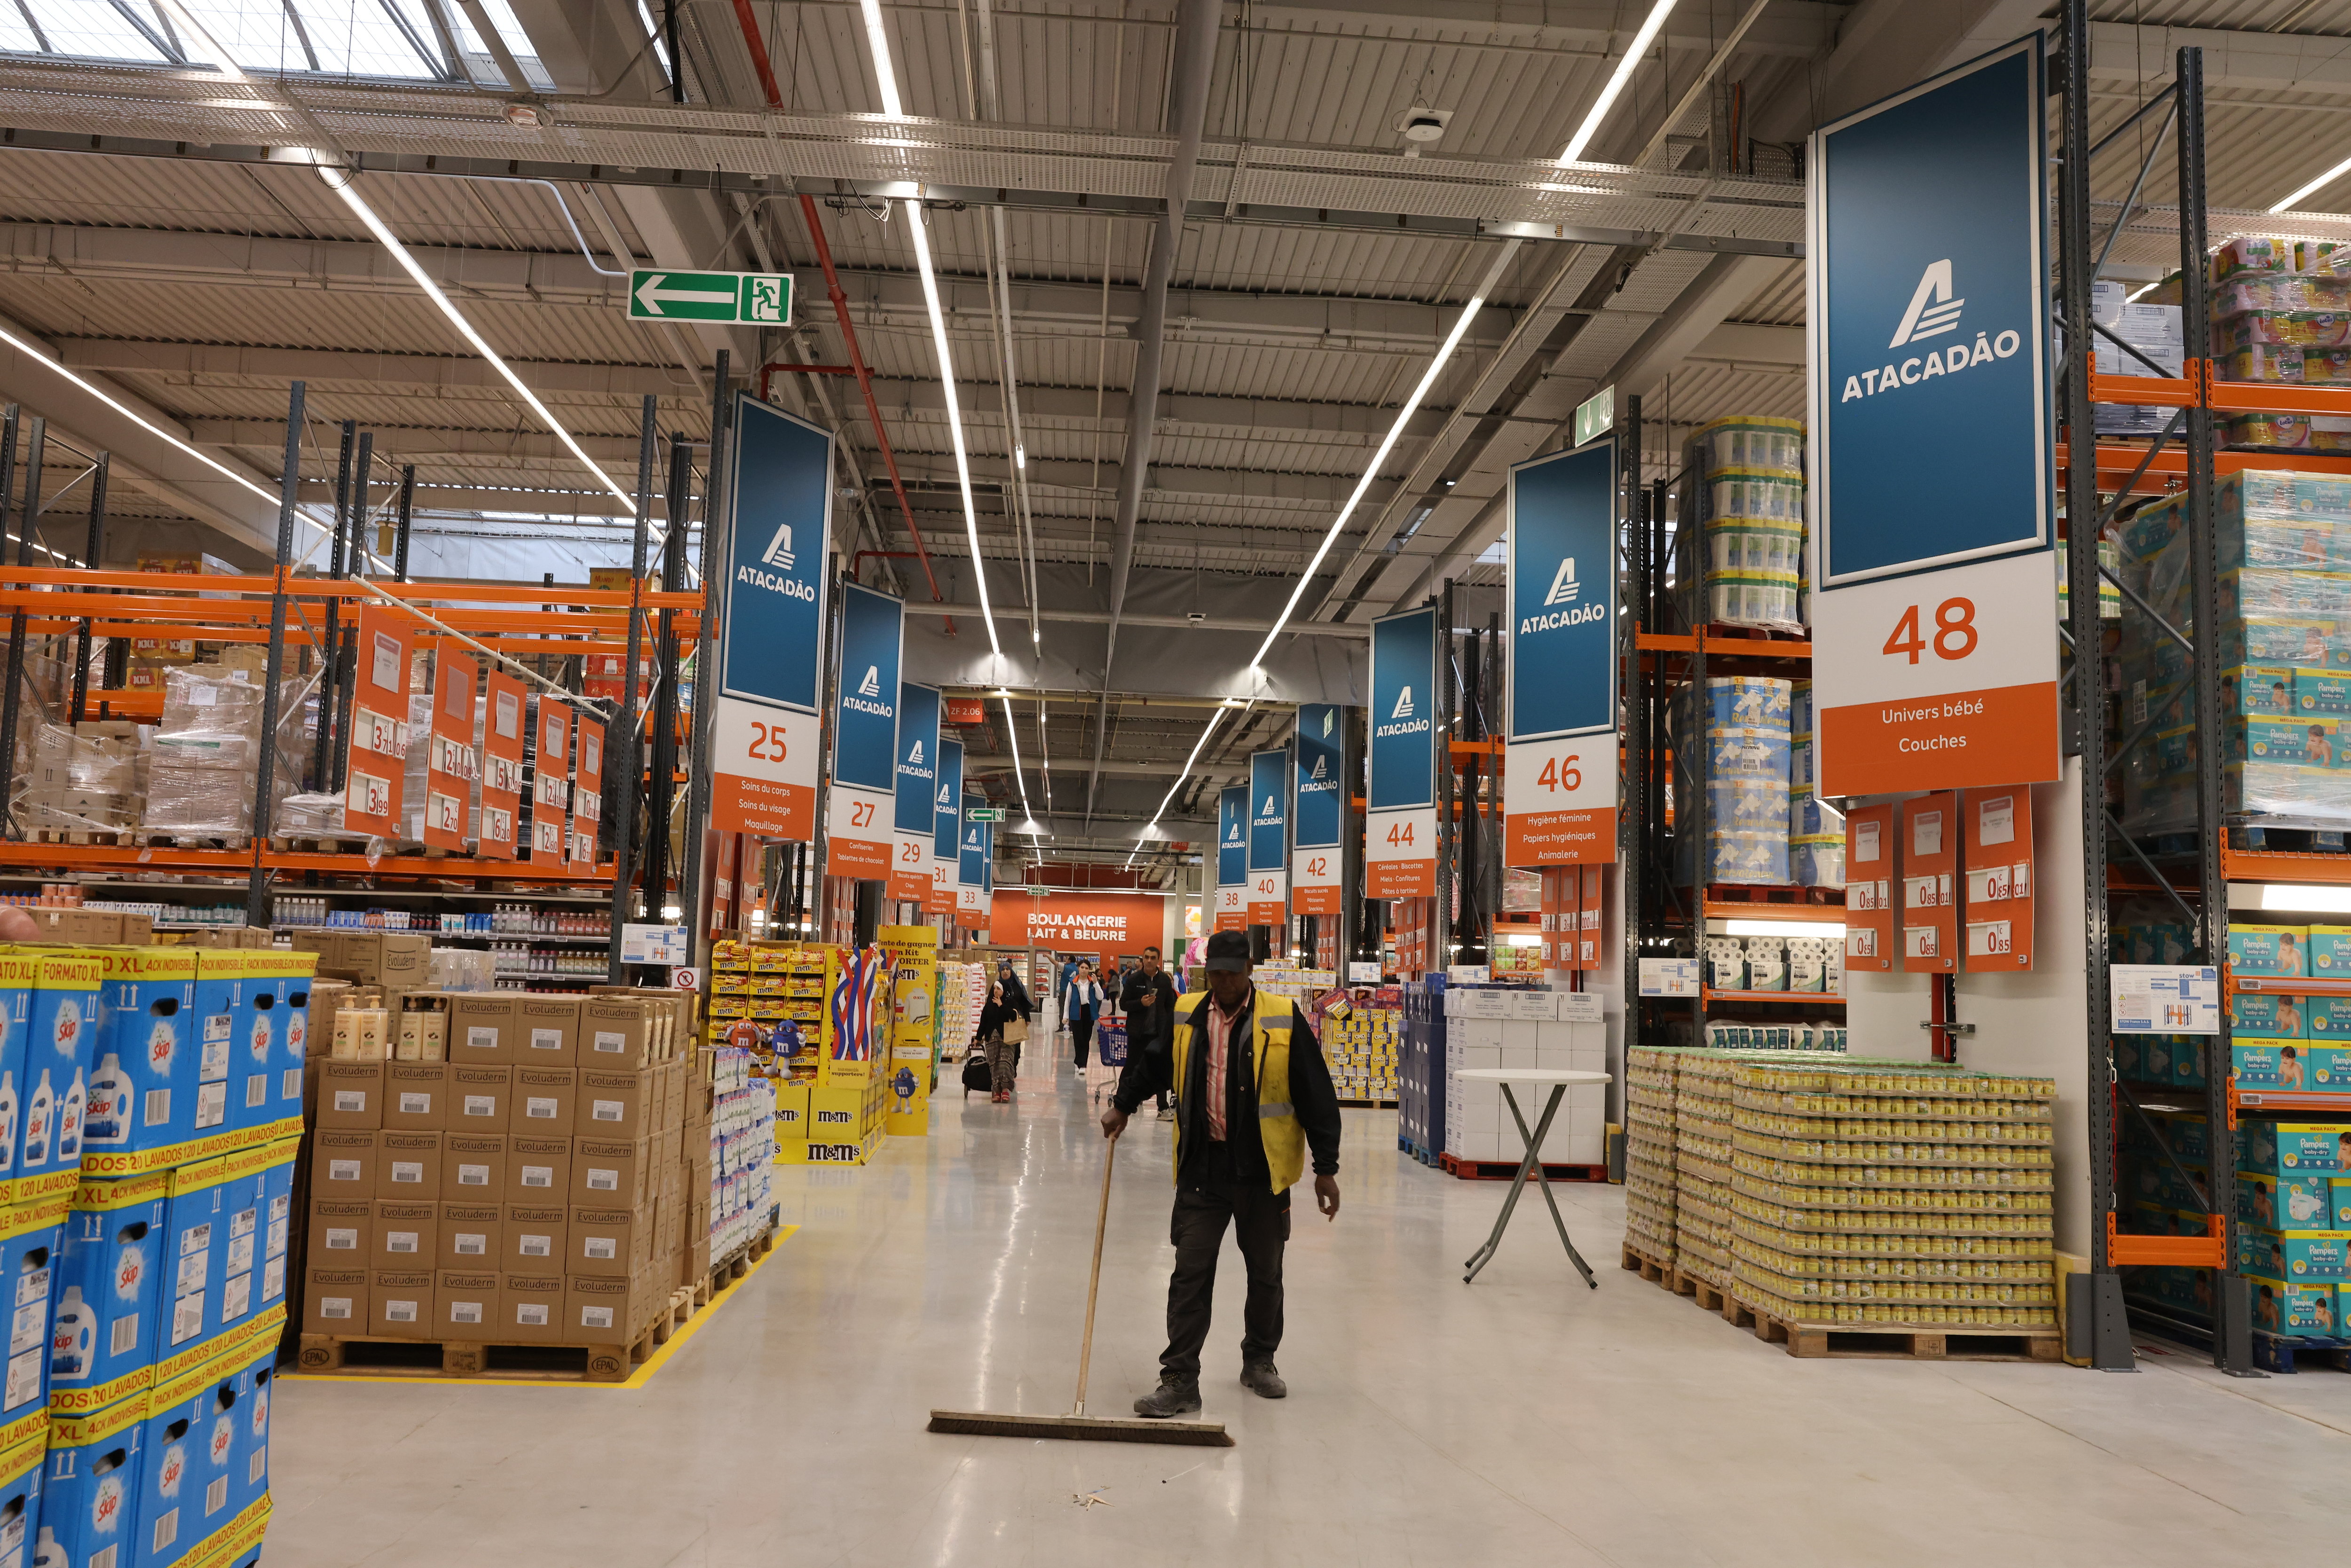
[(2314, 900), (1624, 73), (341, 184), (2314, 187), (1387, 443)]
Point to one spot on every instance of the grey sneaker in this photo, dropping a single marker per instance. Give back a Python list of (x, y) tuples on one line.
[(1174, 1396), (1261, 1379)]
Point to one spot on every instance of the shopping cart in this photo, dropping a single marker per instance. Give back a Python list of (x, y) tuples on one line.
[(1107, 1059)]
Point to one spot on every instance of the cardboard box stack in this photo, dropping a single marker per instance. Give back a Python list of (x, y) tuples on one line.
[(2285, 542), (506, 1169), (1743, 724), (1651, 1181), (1496, 1026), (1885, 1193), (85, 780), (207, 751), (150, 1184), (1743, 484), (1362, 1047)]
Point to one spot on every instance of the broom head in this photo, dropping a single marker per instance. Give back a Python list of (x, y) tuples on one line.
[(1093, 1428)]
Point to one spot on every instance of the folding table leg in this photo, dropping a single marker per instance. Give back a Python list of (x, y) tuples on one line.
[(1484, 1254)]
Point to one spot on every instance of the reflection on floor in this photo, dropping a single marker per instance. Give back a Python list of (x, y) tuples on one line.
[(1523, 1419)]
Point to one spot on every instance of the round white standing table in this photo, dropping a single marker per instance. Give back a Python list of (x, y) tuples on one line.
[(1558, 1077)]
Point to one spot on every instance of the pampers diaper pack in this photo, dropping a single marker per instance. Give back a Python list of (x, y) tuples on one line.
[(2269, 949)]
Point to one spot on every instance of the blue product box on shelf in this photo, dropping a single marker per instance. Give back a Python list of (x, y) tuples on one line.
[(195, 1227), (246, 1188), (2269, 949), (276, 1220), (2263, 690), (294, 1037), (2271, 1015), (2294, 1148), (2293, 1306), (2338, 1201), (2292, 1254), (246, 1001), (2321, 694), (144, 1088), (2280, 1064), (90, 1502), (29, 1233), (189, 1488), (110, 1285), (22, 1469), (2284, 1203), (2330, 951), (2325, 1018), (252, 1461), (2327, 1067), (58, 1035), (18, 971)]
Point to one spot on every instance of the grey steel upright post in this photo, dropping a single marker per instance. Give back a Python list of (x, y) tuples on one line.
[(289, 490), (92, 547), (1441, 924), (36, 440), (2233, 1342), (2109, 1335), (322, 769), (718, 541), (407, 520), (625, 749)]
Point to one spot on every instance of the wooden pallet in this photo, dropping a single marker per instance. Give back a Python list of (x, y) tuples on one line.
[(1895, 1341), (159, 841), (321, 844), (1503, 1170), (100, 836), (1654, 1269)]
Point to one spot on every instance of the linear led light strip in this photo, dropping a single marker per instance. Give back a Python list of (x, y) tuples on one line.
[(885, 76), (339, 182), (1012, 732), (2314, 187), (1387, 443), (1622, 74)]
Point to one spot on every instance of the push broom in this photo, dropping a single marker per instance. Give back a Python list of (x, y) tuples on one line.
[(1077, 1423)]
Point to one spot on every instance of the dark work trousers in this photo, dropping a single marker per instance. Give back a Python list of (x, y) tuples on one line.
[(1081, 1029), (1261, 1221)]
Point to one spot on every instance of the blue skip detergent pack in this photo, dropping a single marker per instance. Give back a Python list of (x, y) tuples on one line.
[(28, 1255), (110, 1287), (22, 1469), (89, 1502), (191, 1484), (18, 969), (58, 1039), (143, 1099)]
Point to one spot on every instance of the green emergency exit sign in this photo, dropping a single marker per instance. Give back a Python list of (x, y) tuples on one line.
[(763, 299), (983, 813)]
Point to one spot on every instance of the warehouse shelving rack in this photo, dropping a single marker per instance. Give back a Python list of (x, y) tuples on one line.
[(2101, 478), (305, 615), (1667, 653)]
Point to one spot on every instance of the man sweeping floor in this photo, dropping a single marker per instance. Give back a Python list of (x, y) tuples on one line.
[(1252, 1094)]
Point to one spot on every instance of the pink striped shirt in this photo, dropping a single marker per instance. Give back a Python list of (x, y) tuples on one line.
[(1220, 1033)]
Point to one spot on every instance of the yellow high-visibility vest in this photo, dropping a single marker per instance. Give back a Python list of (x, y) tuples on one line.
[(1276, 1119)]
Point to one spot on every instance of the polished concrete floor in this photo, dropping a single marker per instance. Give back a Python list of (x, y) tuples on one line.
[(1523, 1419)]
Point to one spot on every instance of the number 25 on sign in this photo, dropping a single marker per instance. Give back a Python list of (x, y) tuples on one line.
[(766, 742), (1955, 631)]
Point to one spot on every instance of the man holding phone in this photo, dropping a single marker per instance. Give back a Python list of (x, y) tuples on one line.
[(1148, 1001)]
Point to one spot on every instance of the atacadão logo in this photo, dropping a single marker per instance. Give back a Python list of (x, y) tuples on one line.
[(1404, 704), (870, 686), (1563, 588), (1320, 770), (915, 757), (1935, 306), (778, 553)]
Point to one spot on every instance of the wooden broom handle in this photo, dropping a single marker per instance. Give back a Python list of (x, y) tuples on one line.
[(1093, 1280)]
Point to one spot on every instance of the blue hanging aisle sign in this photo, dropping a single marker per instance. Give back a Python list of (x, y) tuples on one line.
[(1318, 812), (1400, 823), (946, 828), (913, 819), (1932, 461), (1559, 777), (862, 799), (1268, 837)]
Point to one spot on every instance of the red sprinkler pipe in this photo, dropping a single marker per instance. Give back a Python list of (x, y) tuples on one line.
[(759, 47)]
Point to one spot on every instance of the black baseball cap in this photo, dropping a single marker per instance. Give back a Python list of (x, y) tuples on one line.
[(1229, 950)]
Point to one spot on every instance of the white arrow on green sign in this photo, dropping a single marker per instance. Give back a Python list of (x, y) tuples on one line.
[(763, 298), (983, 813)]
